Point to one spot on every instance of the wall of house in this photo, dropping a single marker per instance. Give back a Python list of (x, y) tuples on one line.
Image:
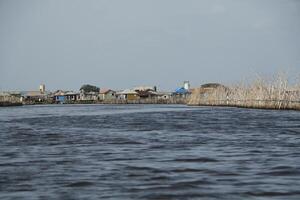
[(60, 98), (132, 97), (110, 95)]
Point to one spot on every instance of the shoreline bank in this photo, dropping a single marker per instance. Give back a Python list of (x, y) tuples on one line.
[(252, 104), (261, 107), (245, 107), (9, 104)]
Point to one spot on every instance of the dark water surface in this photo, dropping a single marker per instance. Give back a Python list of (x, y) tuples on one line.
[(148, 152)]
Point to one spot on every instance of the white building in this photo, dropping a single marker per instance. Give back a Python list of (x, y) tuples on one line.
[(186, 85)]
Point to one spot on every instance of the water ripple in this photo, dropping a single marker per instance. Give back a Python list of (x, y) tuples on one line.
[(148, 152)]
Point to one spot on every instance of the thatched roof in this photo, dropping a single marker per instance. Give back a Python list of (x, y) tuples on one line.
[(144, 88), (212, 85), (146, 93)]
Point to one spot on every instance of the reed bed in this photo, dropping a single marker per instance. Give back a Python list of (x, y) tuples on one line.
[(9, 100), (261, 93)]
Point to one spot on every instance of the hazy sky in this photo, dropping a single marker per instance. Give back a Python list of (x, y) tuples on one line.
[(121, 44)]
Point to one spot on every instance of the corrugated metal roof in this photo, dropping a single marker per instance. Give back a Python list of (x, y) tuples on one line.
[(164, 93), (181, 90), (71, 93), (33, 93), (143, 88), (128, 91)]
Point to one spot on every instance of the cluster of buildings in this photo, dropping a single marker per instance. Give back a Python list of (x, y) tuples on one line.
[(137, 94)]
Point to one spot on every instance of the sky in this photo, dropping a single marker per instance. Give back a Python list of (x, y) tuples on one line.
[(122, 44)]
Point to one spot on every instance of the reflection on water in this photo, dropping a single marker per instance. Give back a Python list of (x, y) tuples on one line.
[(148, 152)]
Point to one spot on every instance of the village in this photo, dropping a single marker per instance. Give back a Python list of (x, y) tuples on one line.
[(276, 94), (93, 94)]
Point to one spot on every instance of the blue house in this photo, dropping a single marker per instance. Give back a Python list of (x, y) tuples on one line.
[(65, 96), (181, 91), (59, 96), (60, 99)]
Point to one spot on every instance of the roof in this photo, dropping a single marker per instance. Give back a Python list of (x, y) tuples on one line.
[(128, 91), (105, 91), (163, 93), (144, 88), (71, 93), (181, 90), (212, 85), (33, 93), (145, 93), (59, 93)]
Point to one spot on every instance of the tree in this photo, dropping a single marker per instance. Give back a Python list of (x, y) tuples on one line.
[(89, 88)]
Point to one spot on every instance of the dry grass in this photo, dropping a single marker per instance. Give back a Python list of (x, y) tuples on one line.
[(261, 93), (11, 99)]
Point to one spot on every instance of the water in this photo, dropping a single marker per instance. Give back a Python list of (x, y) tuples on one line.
[(148, 152)]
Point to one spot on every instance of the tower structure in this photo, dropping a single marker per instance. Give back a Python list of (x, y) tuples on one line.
[(42, 88), (186, 85)]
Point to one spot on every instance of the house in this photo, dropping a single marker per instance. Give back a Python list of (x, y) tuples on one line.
[(211, 91), (34, 96), (58, 96), (145, 88), (146, 92), (107, 94), (210, 94), (183, 91), (128, 94), (72, 96), (164, 95), (88, 96), (209, 88), (65, 96)]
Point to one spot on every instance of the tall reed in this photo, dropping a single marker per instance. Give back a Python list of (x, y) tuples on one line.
[(261, 93)]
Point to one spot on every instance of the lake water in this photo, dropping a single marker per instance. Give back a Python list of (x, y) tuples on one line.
[(148, 152)]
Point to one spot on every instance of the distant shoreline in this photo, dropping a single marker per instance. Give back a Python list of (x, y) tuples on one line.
[(247, 107), (6, 104), (9, 104)]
